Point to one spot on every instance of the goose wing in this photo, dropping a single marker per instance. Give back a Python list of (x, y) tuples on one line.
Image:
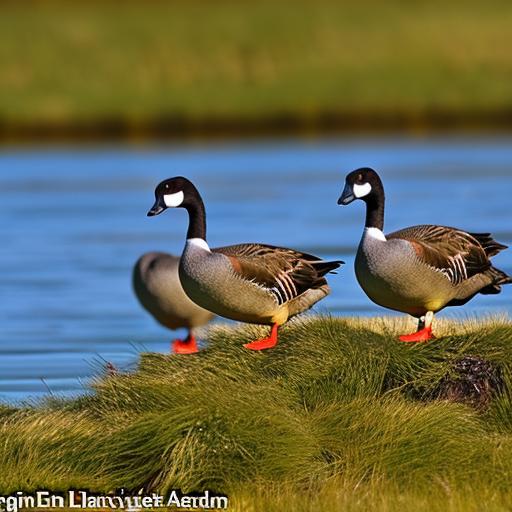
[(457, 254), (285, 273)]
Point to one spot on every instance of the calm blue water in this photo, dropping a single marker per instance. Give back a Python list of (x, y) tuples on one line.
[(74, 221)]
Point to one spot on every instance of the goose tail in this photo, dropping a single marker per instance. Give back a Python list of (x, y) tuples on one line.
[(325, 267), (499, 278), (490, 246)]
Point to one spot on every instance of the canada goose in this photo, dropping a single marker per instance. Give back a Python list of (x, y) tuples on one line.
[(421, 269), (157, 286), (251, 283)]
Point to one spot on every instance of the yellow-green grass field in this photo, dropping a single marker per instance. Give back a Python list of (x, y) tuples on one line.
[(340, 416), (173, 66)]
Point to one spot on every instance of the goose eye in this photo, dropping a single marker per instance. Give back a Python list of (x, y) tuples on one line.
[(359, 177)]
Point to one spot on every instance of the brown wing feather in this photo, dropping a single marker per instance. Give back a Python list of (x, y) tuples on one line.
[(455, 253), (285, 272), (490, 246)]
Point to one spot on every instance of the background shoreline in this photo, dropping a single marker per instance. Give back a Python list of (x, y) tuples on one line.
[(122, 70), (276, 126)]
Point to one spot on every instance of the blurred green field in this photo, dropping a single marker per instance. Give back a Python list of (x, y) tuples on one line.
[(340, 416), (167, 64)]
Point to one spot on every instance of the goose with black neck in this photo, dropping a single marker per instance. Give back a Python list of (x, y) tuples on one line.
[(250, 282), (418, 270)]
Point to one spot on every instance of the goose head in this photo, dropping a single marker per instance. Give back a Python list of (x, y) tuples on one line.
[(175, 192), (363, 183)]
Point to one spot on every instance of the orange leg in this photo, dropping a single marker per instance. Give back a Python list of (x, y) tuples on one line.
[(264, 343), (186, 346), (424, 332)]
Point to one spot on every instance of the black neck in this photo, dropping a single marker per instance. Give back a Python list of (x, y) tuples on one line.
[(196, 217), (375, 209)]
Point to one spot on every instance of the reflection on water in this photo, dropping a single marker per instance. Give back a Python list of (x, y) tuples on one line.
[(74, 222)]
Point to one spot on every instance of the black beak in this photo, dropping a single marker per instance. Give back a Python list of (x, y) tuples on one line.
[(158, 207), (347, 196)]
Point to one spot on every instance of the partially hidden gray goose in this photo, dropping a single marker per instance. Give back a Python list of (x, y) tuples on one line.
[(252, 283), (157, 286), (421, 269)]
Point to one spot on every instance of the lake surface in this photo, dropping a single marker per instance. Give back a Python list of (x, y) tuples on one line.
[(74, 222)]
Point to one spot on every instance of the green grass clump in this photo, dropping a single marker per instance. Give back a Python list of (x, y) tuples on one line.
[(339, 416)]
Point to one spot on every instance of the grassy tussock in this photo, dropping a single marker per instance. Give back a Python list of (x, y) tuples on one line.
[(339, 416)]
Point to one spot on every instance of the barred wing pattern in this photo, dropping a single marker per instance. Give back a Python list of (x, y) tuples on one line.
[(456, 254), (284, 273)]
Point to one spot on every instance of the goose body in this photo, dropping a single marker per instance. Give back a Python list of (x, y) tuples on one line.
[(253, 283), (395, 271), (421, 269), (157, 286)]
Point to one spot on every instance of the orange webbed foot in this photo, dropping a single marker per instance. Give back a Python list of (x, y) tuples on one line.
[(424, 334), (264, 343), (186, 346)]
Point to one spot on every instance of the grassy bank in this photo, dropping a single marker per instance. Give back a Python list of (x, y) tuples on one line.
[(178, 67), (339, 416)]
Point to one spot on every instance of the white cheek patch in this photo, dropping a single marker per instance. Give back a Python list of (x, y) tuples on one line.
[(361, 190), (173, 200)]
